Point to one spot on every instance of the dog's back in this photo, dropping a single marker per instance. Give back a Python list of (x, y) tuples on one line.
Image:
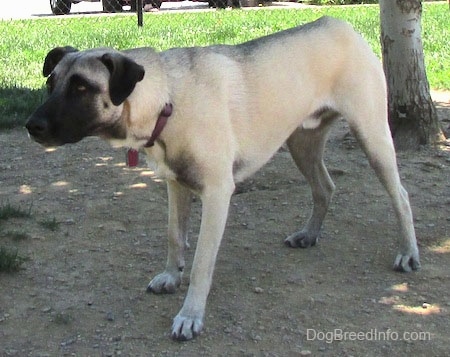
[(284, 77)]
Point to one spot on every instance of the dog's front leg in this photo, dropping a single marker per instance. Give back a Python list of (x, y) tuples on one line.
[(189, 321), (180, 199)]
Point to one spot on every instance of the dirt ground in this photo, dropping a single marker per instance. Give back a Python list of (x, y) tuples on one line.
[(82, 290)]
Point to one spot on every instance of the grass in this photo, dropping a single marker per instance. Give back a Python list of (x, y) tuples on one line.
[(50, 224), (10, 259), (16, 235), (8, 211), (21, 81), (62, 318)]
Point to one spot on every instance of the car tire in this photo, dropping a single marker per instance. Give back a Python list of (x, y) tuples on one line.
[(60, 7), (133, 6), (156, 3), (112, 6), (219, 4)]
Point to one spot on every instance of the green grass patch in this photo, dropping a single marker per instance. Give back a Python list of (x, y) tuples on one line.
[(24, 43), (8, 211), (62, 318), (10, 260), (15, 235), (50, 224), (16, 103)]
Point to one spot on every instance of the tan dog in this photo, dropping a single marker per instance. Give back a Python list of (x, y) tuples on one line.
[(209, 117)]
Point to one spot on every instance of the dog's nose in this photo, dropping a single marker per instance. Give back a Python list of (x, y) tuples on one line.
[(37, 127)]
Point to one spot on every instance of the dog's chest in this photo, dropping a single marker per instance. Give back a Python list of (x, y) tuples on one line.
[(160, 169), (181, 168)]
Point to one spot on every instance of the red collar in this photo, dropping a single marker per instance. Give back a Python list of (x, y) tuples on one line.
[(160, 124)]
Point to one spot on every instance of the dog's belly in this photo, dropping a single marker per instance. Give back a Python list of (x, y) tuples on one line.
[(246, 166)]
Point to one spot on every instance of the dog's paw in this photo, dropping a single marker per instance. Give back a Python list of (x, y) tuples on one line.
[(407, 262), (186, 328), (301, 239), (164, 283)]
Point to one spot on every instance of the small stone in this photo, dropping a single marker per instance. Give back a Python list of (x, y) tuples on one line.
[(69, 341), (257, 338), (258, 290), (110, 316), (305, 353)]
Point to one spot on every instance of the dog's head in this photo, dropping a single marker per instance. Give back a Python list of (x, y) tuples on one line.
[(86, 92)]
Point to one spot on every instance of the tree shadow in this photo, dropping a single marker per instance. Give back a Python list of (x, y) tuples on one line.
[(442, 103), (17, 103)]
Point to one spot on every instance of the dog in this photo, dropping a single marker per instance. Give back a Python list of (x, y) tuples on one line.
[(209, 117)]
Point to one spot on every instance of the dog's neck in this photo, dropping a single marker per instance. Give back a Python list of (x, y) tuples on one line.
[(160, 124)]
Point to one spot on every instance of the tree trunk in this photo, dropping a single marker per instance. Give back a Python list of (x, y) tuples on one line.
[(412, 114)]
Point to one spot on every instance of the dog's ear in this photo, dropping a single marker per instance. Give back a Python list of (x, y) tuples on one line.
[(125, 73), (53, 58)]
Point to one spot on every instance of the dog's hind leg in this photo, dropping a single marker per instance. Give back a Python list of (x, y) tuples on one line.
[(180, 199), (374, 136), (307, 147)]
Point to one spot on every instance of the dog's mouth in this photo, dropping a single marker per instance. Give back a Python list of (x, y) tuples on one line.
[(39, 141), (49, 143), (39, 130), (47, 134), (44, 141), (47, 140)]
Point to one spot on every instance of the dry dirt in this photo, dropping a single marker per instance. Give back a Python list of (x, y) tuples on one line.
[(82, 291)]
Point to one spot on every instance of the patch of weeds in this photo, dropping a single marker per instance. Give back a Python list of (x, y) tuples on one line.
[(10, 260), (7, 211), (51, 224), (16, 235), (62, 318)]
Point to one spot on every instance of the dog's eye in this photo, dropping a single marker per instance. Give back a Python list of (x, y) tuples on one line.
[(81, 85), (81, 88)]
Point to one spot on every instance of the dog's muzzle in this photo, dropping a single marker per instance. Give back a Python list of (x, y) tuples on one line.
[(38, 128)]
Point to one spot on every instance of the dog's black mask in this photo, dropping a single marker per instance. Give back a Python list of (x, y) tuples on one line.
[(85, 92)]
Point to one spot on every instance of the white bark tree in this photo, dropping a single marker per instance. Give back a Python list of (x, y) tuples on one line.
[(412, 114)]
